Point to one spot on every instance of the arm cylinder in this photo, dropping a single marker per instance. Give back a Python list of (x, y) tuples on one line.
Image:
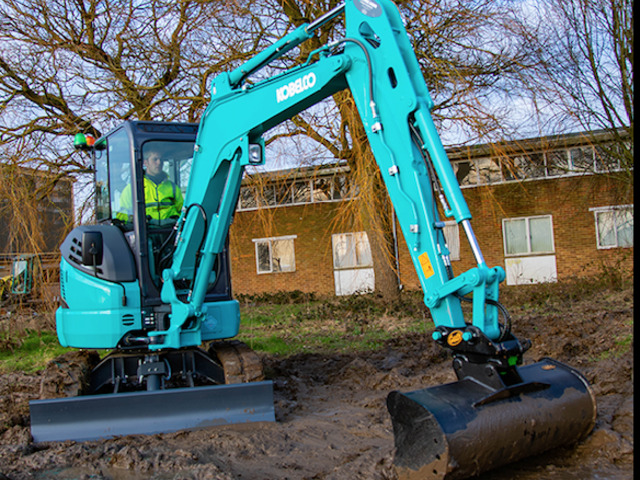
[(282, 46)]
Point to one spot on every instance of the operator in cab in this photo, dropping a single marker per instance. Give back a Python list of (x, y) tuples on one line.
[(163, 198)]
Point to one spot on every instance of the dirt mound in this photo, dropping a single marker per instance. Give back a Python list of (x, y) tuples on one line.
[(331, 416), (68, 375)]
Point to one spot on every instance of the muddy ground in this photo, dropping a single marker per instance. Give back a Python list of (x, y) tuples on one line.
[(332, 421)]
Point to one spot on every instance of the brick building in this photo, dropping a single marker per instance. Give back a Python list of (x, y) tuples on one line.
[(41, 203), (544, 209), (36, 210)]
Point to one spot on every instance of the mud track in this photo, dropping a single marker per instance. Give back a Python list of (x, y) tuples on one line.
[(332, 421)]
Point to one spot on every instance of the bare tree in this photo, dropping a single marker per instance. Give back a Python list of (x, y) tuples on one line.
[(69, 66), (584, 74)]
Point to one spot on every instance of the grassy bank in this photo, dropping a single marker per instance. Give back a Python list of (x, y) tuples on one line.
[(29, 352), (289, 323), (277, 324), (328, 324)]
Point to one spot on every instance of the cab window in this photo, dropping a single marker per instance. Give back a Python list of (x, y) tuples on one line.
[(177, 158), (113, 174)]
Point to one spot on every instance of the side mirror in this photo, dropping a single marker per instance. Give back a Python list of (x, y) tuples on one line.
[(92, 248)]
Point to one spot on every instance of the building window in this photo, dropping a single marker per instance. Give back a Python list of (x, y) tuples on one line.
[(296, 192), (608, 156), (582, 159), (465, 172), (557, 163), (452, 237), (351, 250), (528, 235), (275, 255), (302, 192), (488, 171), (247, 198), (614, 226), (523, 166)]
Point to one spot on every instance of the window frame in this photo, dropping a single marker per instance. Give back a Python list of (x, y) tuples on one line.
[(453, 244), (582, 159), (529, 252), (269, 241), (610, 209), (354, 244), (295, 192)]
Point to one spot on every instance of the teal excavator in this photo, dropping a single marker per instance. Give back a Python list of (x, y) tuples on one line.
[(157, 292)]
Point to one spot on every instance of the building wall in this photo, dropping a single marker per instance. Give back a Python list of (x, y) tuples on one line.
[(312, 224), (567, 199), (51, 207)]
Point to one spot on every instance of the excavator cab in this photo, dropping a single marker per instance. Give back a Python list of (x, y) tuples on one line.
[(122, 187), (130, 232), (111, 282)]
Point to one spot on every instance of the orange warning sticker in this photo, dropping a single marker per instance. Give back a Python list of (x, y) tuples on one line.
[(454, 338), (425, 263)]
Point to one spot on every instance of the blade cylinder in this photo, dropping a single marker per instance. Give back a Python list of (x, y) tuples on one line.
[(464, 428)]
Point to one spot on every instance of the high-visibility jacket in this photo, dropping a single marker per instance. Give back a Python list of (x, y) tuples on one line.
[(163, 200)]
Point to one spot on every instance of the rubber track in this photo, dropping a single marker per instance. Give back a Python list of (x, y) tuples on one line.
[(240, 363)]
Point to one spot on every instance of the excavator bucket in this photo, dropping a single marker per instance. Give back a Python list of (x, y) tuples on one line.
[(464, 428), (94, 417)]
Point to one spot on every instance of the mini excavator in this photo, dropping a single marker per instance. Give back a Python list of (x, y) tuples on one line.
[(155, 291)]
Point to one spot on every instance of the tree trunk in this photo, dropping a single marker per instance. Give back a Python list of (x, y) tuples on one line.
[(382, 251), (373, 207)]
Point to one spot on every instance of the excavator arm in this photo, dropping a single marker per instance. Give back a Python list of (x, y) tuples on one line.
[(376, 62)]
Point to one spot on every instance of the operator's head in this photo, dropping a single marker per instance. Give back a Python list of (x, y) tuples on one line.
[(153, 162)]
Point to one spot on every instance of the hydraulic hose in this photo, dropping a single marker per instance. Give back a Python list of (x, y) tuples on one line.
[(372, 102)]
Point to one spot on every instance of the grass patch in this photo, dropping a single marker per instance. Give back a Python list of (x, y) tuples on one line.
[(330, 325), (31, 353), (288, 323), (621, 346)]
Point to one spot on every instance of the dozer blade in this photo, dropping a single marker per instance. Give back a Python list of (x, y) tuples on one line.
[(464, 428), (94, 417)]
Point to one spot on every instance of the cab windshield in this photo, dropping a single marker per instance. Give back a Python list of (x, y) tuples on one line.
[(176, 160), (166, 170), (170, 170), (113, 173)]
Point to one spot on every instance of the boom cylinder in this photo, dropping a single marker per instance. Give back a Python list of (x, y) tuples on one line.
[(330, 15)]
